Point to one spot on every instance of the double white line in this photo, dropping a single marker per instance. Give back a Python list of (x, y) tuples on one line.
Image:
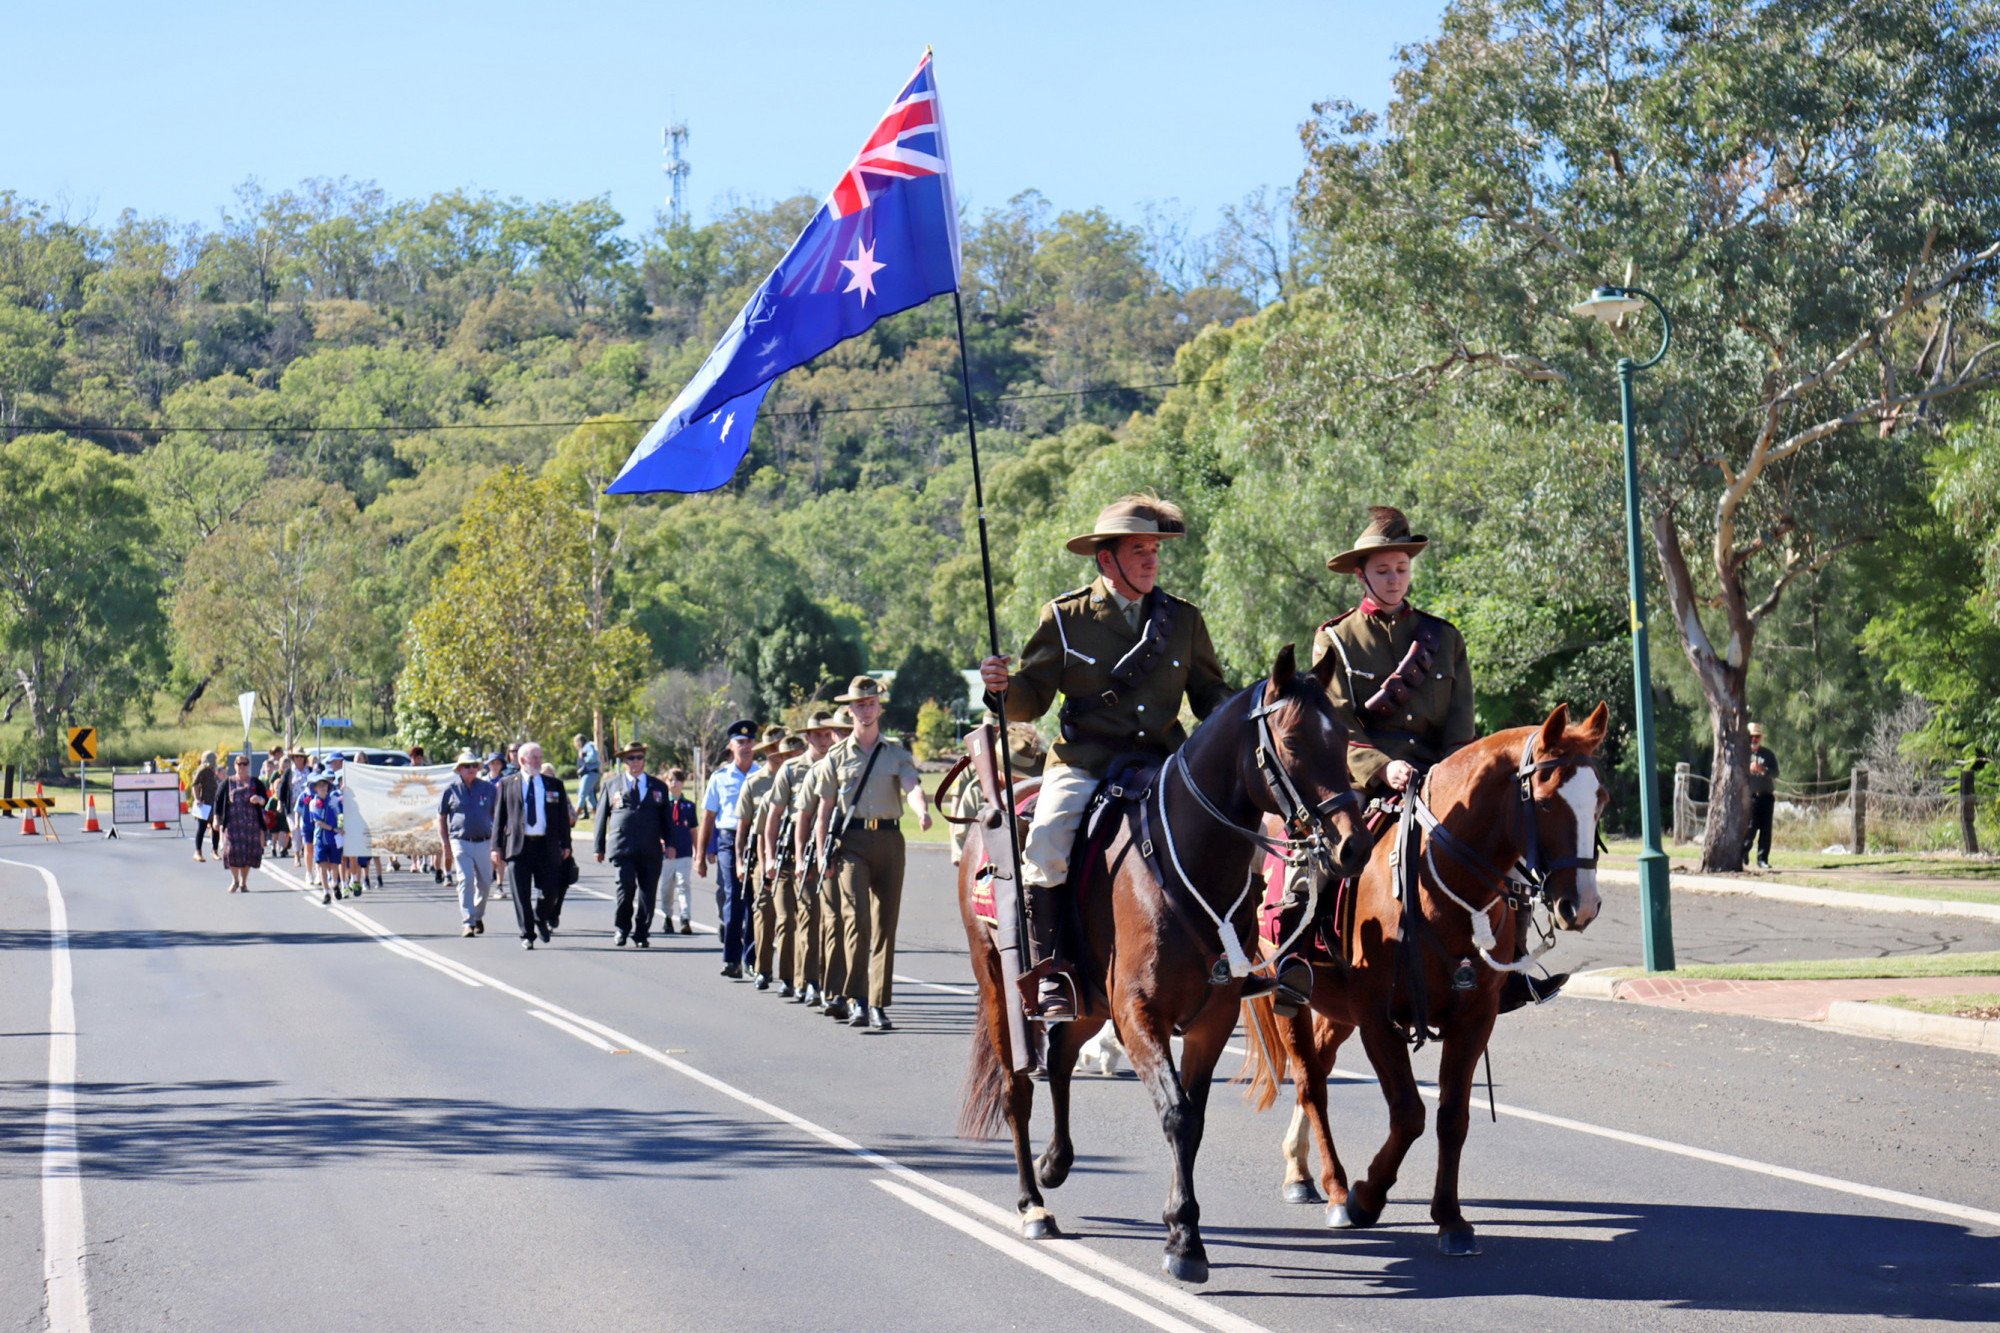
[(1069, 1262)]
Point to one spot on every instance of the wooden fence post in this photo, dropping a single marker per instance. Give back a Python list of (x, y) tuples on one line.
[(1857, 802), (1968, 833), (1683, 805)]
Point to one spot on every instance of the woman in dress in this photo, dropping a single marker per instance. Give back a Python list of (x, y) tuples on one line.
[(240, 811), (207, 789)]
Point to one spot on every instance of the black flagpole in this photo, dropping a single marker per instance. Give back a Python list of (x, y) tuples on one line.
[(1005, 801)]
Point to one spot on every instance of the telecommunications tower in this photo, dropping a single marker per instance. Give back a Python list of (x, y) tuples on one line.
[(673, 142)]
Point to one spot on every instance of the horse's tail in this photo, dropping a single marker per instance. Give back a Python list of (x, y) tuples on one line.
[(982, 1107), (1264, 1059)]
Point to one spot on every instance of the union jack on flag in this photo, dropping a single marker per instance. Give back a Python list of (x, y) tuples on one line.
[(908, 143)]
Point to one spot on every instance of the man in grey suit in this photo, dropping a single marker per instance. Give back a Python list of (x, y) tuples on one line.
[(632, 827)]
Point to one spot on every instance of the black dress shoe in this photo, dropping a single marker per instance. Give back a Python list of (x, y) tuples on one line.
[(642, 944), (620, 941), (836, 1009), (763, 982), (325, 898), (527, 941), (859, 1017), (437, 876), (545, 932), (878, 1019), (687, 926), (811, 998), (479, 927), (785, 991)]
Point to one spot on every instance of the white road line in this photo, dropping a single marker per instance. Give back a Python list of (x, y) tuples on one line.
[(1154, 1288), (1023, 1252), (580, 1034), (67, 1305)]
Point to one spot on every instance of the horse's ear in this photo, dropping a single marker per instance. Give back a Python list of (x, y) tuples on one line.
[(1591, 733), (1552, 730), (1284, 668), (1323, 670)]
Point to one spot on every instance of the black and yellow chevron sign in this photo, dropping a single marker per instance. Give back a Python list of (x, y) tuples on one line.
[(83, 743)]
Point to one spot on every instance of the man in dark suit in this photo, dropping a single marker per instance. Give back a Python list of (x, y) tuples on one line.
[(632, 825), (531, 836)]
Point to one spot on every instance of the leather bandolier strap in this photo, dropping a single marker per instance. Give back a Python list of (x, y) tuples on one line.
[(1409, 673), (1139, 662)]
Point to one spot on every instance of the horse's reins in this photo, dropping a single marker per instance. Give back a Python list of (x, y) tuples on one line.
[(1310, 828)]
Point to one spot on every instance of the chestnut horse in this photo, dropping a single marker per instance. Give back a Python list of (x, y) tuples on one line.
[(1513, 808), (1155, 967)]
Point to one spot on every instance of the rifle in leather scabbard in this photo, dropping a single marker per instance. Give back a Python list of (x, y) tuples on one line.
[(1009, 909)]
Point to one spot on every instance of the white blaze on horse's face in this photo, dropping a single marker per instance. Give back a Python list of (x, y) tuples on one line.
[(1581, 792)]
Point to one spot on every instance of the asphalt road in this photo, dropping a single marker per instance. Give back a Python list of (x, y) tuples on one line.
[(290, 1117)]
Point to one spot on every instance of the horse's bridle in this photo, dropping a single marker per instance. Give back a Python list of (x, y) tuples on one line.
[(1531, 871), (1309, 828)]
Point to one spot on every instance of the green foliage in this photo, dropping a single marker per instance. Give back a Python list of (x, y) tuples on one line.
[(801, 653), (936, 732), (925, 675), (1934, 635), (82, 633)]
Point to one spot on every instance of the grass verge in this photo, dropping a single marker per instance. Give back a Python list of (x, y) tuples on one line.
[(1835, 969), (1952, 1006)]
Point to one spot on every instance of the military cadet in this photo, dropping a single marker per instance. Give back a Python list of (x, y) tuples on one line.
[(867, 781), (750, 810), (830, 939), (718, 819), (632, 828), (1402, 685), (780, 961), (794, 810), (1123, 653)]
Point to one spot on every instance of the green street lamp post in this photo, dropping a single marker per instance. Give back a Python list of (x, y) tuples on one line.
[(1607, 305)]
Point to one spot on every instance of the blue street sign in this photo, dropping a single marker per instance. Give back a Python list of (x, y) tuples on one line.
[(336, 722)]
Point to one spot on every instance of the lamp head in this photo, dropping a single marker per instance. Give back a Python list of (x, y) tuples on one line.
[(1607, 305)]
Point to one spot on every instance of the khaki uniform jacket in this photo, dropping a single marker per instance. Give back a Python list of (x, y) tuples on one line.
[(837, 775), (1438, 717), (788, 790), (1147, 718)]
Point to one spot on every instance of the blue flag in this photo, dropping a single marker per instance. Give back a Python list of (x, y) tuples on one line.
[(885, 239)]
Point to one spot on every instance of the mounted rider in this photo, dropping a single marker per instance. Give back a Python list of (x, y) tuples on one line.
[(1403, 684), (1123, 653)]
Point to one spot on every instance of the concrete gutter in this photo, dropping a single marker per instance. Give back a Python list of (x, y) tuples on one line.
[(1881, 1020), (1799, 893)]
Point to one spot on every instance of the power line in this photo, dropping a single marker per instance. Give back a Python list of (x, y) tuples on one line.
[(420, 427)]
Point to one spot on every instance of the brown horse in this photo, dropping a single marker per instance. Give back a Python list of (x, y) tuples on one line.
[(1504, 805), (1156, 966)]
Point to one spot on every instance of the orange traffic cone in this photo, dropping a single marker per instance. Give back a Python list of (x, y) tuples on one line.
[(184, 799), (91, 825), (28, 817)]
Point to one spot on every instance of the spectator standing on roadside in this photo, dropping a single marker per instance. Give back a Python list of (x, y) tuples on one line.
[(465, 828), (675, 888), (206, 788), (1763, 798), (589, 773)]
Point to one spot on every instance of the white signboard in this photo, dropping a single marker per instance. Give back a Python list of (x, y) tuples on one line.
[(145, 798)]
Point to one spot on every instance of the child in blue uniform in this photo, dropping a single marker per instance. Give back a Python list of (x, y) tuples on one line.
[(326, 837)]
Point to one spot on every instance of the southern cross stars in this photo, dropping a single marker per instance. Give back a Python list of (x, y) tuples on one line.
[(862, 270)]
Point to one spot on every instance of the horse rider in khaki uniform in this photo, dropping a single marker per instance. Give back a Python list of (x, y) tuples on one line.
[(866, 779), (1403, 685), (1122, 653), (797, 952)]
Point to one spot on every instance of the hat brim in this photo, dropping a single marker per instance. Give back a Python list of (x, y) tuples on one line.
[(863, 698), (1087, 543), (1350, 561)]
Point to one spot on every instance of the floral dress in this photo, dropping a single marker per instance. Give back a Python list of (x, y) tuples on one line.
[(243, 824)]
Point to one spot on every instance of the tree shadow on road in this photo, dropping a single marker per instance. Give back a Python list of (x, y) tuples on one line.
[(1680, 1256), (38, 940)]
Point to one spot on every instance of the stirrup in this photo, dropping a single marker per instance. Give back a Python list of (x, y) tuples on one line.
[(1032, 1003)]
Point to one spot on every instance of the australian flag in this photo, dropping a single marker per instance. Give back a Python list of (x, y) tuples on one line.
[(885, 239)]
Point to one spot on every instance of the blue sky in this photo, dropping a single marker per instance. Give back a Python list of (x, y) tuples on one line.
[(165, 108)]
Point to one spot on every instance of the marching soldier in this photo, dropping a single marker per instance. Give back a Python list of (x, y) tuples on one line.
[(827, 961), (1403, 686), (632, 829), (1123, 653), (750, 810), (797, 914), (864, 782), (718, 820)]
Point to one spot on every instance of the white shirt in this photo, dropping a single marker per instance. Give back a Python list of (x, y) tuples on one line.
[(533, 824)]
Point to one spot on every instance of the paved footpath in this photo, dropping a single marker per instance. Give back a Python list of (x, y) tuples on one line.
[(285, 1116), (1802, 1000)]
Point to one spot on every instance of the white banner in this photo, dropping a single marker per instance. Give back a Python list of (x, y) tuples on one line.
[(394, 808)]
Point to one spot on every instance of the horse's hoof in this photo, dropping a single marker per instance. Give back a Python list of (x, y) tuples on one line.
[(1182, 1268), (1052, 1173), (1039, 1224), (1300, 1191), (1458, 1244), (1350, 1216)]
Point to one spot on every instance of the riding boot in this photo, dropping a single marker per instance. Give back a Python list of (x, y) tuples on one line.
[(1518, 991), (1054, 1002)]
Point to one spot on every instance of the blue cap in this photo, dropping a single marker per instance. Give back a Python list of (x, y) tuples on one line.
[(496, 757)]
